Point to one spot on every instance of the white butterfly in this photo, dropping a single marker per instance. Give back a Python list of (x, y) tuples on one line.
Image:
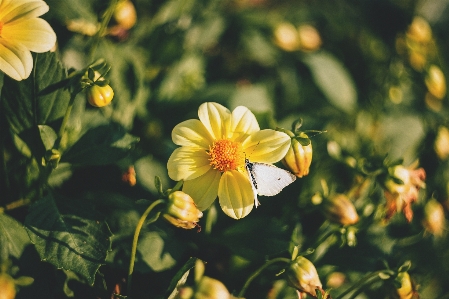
[(267, 179)]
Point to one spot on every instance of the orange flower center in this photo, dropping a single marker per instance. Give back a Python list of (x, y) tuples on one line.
[(226, 155)]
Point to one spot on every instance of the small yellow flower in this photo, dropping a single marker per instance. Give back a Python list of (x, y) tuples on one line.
[(211, 159), (21, 31)]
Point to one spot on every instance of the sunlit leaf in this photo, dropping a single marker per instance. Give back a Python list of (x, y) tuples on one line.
[(13, 236), (333, 79), (69, 234)]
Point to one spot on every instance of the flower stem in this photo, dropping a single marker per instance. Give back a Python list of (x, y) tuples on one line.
[(136, 238), (65, 119), (177, 186), (359, 284), (258, 271)]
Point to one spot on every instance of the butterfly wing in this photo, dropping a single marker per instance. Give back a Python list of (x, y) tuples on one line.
[(269, 179)]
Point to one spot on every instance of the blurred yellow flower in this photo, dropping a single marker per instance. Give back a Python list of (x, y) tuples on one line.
[(21, 31), (211, 159)]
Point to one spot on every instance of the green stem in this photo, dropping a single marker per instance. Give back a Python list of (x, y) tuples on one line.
[(258, 271), (103, 26), (65, 119), (136, 238), (360, 283), (177, 186)]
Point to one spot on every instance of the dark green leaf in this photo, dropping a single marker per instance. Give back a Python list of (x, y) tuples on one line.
[(48, 136), (69, 234), (100, 145), (180, 278), (13, 236), (333, 79)]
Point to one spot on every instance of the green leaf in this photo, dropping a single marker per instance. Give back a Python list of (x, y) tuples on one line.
[(23, 107), (25, 110), (48, 136), (69, 234), (100, 145), (180, 278), (13, 236), (333, 79)]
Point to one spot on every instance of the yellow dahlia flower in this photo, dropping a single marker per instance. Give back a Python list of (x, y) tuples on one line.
[(21, 31), (211, 159)]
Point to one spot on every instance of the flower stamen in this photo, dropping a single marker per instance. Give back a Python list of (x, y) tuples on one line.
[(226, 155)]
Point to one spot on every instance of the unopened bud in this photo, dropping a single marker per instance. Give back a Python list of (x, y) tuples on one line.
[(209, 288), (125, 14), (339, 209), (405, 291), (309, 38), (7, 287), (420, 30), (436, 82), (302, 275), (441, 145), (286, 37), (181, 210), (434, 221), (299, 157)]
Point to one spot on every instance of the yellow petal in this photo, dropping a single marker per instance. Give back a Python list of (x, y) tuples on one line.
[(35, 34), (243, 123), (12, 11), (15, 60), (215, 118), (203, 189), (235, 194), (191, 133), (267, 146), (187, 163)]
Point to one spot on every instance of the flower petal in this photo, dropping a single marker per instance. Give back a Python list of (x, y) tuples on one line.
[(216, 119), (187, 163), (15, 60), (35, 34), (235, 194), (203, 189), (191, 133), (12, 11), (267, 146), (243, 123)]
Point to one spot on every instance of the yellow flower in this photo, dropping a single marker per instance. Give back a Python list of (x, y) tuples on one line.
[(21, 31), (211, 159)]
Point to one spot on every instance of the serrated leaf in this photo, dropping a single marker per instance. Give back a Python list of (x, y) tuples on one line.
[(69, 235), (180, 278), (100, 145), (13, 236), (333, 79)]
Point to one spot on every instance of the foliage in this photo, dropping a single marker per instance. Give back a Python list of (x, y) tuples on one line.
[(368, 75)]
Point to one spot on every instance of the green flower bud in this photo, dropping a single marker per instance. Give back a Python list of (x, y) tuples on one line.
[(181, 210), (339, 209), (434, 221), (299, 157), (302, 275), (405, 291), (100, 96), (209, 288)]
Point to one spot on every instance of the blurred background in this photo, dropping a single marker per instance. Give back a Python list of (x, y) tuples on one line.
[(372, 74)]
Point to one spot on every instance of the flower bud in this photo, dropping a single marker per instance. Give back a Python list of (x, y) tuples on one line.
[(436, 82), (125, 14), (302, 275), (309, 38), (286, 37), (7, 287), (441, 145), (420, 30), (181, 210), (405, 291), (434, 221), (299, 157), (339, 209), (100, 96), (209, 288)]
